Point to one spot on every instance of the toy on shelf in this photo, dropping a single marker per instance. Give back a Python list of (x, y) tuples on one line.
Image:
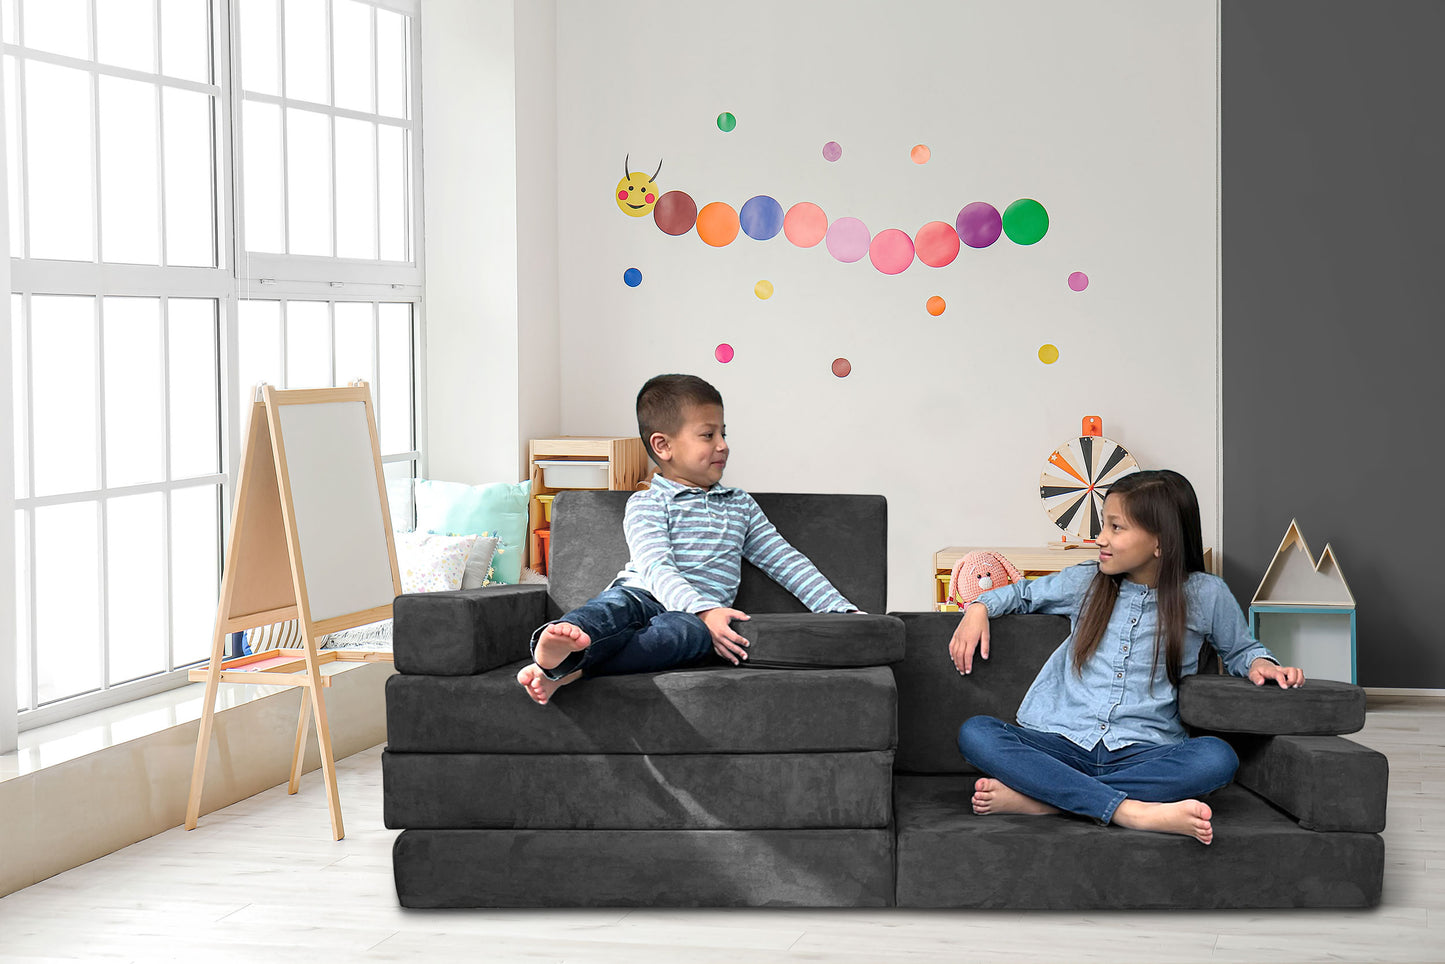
[(1311, 610), (1076, 478), (977, 573)]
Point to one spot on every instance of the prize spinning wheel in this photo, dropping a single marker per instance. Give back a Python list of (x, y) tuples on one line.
[(1077, 476)]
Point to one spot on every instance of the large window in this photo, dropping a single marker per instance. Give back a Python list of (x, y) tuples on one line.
[(203, 194)]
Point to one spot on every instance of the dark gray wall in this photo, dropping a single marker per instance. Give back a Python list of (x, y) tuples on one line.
[(1333, 229)]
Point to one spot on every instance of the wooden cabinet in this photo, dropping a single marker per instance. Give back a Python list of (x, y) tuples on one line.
[(627, 465)]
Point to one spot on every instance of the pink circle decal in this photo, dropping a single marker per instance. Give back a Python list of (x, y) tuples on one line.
[(892, 251), (848, 240), (723, 353), (832, 151), (979, 224), (1078, 281), (842, 367), (805, 224), (937, 244)]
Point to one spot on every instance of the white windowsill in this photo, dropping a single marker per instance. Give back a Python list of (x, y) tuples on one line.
[(101, 729)]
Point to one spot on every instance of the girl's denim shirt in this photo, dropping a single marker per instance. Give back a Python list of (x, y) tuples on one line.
[(1122, 697)]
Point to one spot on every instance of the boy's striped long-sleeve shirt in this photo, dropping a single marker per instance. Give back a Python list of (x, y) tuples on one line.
[(688, 545)]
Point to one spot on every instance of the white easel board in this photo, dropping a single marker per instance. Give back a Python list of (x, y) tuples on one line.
[(311, 541)]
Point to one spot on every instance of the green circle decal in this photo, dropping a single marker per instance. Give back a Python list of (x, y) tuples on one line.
[(726, 121), (1025, 221)]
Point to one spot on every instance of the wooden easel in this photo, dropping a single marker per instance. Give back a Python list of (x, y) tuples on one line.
[(266, 576)]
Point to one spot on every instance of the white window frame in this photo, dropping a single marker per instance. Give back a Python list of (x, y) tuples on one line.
[(236, 277)]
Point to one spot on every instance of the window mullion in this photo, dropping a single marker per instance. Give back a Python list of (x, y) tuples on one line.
[(103, 501)]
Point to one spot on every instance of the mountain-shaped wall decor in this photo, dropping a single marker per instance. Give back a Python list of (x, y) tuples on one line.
[(1295, 578)]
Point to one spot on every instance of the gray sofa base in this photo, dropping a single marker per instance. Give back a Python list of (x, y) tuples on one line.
[(949, 856), (647, 868)]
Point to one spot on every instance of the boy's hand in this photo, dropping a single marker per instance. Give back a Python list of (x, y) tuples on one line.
[(1262, 671), (726, 643), (971, 634)]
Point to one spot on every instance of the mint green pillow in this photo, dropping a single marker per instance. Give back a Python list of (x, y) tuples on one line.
[(497, 509)]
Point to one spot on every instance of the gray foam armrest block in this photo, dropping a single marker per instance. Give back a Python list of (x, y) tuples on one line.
[(1327, 783), (1232, 704), (815, 640), (468, 631)]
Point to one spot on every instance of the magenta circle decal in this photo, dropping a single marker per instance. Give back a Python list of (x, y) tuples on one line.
[(761, 218), (1078, 281), (848, 240), (723, 353), (937, 244), (805, 224), (832, 151), (979, 224), (891, 251)]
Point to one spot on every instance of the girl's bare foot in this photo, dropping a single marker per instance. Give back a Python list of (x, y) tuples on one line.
[(991, 796), (1191, 818), (538, 686), (557, 642)]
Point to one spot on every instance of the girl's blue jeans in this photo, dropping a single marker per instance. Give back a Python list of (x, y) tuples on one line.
[(631, 633), (1055, 770)]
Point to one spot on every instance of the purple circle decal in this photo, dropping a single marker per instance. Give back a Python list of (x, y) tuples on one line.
[(848, 239), (761, 218), (979, 224), (1078, 281), (832, 151)]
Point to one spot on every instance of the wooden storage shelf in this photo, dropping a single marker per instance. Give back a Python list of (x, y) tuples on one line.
[(627, 466)]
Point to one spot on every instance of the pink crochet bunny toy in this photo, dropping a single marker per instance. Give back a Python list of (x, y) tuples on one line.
[(977, 573)]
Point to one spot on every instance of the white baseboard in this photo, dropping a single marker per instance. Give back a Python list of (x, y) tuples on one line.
[(1396, 691)]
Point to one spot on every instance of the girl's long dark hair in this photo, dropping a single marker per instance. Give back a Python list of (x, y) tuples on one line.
[(1162, 503)]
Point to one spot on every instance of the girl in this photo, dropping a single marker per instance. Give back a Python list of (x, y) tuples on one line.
[(1099, 731)]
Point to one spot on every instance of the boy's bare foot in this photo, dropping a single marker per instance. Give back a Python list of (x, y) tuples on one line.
[(557, 642), (991, 796), (1191, 818), (538, 686)]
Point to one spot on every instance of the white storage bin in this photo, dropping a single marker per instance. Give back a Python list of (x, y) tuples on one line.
[(573, 474)]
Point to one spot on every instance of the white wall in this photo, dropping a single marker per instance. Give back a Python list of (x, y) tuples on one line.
[(469, 177), (1104, 112)]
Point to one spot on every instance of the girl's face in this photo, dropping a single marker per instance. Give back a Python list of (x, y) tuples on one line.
[(1125, 547)]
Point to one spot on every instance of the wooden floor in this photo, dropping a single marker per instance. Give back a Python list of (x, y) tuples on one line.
[(263, 881)]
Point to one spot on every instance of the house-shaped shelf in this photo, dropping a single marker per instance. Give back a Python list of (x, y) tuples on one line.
[(1310, 608)]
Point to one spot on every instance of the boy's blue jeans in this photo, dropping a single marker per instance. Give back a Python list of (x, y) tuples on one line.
[(631, 632), (1055, 770)]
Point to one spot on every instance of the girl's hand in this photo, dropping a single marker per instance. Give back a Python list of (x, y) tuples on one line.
[(1288, 677), (971, 634), (726, 643)]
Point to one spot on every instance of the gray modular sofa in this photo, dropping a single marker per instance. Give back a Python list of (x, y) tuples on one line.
[(823, 772)]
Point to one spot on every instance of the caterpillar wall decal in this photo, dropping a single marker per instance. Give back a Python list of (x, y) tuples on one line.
[(936, 244)]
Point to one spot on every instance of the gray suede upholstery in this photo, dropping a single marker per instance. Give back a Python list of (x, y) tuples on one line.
[(1232, 704), (643, 868), (809, 641), (764, 784), (722, 709), (686, 791), (949, 856), (824, 771)]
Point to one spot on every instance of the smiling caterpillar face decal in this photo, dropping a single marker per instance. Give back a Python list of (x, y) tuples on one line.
[(636, 192)]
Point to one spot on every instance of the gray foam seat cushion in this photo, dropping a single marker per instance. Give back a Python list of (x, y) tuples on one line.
[(655, 791), (715, 709), (1232, 704), (949, 856), (644, 868), (814, 640)]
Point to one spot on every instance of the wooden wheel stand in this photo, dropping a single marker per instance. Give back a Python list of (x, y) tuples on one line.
[(323, 502)]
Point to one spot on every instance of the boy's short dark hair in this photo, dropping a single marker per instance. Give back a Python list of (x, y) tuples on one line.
[(661, 402)]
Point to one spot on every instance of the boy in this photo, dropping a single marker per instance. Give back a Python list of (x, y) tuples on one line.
[(688, 535)]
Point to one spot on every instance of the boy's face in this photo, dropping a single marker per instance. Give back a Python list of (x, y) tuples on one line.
[(697, 453)]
